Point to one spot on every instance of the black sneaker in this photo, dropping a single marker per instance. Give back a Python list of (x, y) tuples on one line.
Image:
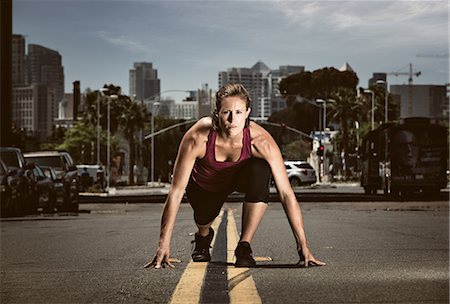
[(243, 255), (202, 245)]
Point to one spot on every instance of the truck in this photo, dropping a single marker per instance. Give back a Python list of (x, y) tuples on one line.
[(405, 157)]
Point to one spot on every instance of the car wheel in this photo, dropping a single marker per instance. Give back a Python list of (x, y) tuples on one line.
[(295, 182), (49, 206), (65, 207)]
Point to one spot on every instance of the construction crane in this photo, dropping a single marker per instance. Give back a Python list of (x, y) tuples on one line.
[(410, 75)]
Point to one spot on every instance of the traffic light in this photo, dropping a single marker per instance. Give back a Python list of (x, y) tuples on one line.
[(320, 150)]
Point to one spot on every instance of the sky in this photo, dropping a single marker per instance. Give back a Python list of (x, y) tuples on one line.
[(189, 42)]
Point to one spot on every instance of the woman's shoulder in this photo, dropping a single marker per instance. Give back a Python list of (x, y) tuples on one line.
[(198, 133), (256, 130), (202, 127)]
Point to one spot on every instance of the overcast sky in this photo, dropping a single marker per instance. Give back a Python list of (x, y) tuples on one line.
[(189, 42)]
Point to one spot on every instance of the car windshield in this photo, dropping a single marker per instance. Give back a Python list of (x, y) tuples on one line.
[(304, 166), (51, 161), (48, 173), (38, 172), (10, 159)]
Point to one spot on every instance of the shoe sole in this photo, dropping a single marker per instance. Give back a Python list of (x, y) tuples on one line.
[(201, 260), (244, 265)]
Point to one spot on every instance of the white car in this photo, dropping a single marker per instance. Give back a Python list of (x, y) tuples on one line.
[(300, 173)]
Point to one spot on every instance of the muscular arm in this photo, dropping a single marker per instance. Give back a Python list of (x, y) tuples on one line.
[(264, 146), (192, 146)]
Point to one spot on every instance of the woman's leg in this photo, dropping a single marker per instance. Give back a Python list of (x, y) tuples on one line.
[(256, 187), (252, 214), (203, 230)]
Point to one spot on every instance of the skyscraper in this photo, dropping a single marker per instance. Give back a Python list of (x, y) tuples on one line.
[(144, 82), (45, 67), (262, 84), (38, 86), (18, 60)]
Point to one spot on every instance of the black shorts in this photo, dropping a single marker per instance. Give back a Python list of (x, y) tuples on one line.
[(252, 179)]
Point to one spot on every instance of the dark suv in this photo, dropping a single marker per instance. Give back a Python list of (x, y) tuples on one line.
[(66, 172), (21, 178)]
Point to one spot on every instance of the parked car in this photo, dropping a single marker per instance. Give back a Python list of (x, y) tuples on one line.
[(45, 190), (21, 178), (65, 170), (300, 173), (58, 185), (6, 185)]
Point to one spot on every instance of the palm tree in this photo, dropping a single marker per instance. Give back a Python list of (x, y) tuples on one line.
[(344, 111), (132, 119)]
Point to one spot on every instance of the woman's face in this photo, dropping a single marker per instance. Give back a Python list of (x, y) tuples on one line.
[(232, 115)]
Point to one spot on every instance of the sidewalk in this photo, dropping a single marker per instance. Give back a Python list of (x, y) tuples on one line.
[(163, 189)]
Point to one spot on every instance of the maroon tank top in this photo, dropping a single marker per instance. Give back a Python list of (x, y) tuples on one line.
[(217, 176)]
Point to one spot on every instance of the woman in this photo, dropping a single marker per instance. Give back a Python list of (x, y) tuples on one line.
[(218, 155)]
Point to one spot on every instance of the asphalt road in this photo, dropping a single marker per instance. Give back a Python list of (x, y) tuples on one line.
[(380, 252)]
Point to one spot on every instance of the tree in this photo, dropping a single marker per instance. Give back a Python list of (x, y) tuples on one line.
[(344, 111), (80, 143), (132, 119), (320, 83)]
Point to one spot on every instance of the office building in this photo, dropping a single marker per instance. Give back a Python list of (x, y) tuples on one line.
[(45, 67), (206, 101), (32, 109), (18, 60), (422, 100), (143, 81), (184, 110), (38, 87), (379, 79), (278, 103), (262, 83)]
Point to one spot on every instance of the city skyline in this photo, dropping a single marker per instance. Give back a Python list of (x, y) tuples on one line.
[(190, 42)]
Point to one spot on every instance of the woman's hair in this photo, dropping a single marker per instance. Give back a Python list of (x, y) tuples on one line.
[(230, 90)]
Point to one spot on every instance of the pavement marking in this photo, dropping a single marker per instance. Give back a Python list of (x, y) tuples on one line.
[(189, 287), (241, 287)]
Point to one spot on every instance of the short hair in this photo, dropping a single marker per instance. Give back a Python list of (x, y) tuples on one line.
[(230, 90)]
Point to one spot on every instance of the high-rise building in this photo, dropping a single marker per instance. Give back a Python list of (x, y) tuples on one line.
[(252, 80), (144, 83), (32, 109), (262, 83), (426, 100), (206, 101), (184, 110), (45, 66), (379, 79), (38, 87), (18, 60), (278, 103)]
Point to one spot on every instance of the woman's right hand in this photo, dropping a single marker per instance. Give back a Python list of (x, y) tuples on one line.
[(161, 259)]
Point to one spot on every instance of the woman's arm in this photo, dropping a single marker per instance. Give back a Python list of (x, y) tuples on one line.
[(192, 146), (264, 146)]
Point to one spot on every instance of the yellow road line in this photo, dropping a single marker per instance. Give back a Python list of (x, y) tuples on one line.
[(189, 287), (241, 286)]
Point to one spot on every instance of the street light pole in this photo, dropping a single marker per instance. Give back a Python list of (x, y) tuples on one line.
[(108, 151), (98, 128), (372, 119), (152, 143), (386, 99)]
